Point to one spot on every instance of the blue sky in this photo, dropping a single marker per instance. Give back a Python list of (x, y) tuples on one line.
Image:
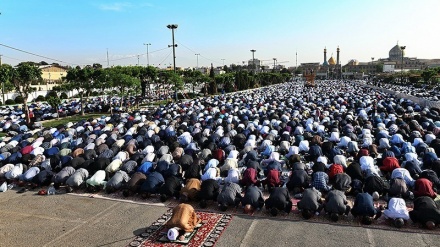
[(81, 31)]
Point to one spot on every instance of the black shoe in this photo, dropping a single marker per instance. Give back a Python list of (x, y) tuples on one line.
[(22, 190)]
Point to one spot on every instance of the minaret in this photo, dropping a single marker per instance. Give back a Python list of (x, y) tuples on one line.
[(325, 55), (337, 56)]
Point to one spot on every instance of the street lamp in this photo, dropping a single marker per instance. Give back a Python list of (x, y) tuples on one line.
[(148, 58), (3, 83), (401, 66), (253, 59), (172, 27)]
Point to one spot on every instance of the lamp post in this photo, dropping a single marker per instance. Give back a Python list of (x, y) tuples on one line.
[(148, 58), (253, 59), (3, 83), (172, 27), (401, 66)]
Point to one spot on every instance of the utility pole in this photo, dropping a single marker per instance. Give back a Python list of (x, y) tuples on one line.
[(148, 57), (108, 64), (401, 68)]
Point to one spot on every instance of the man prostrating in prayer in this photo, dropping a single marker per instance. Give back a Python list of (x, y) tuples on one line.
[(184, 218)]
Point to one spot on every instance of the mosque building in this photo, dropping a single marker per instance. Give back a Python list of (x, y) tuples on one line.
[(396, 62), (329, 69)]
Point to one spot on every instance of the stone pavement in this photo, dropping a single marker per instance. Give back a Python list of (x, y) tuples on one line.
[(66, 220)]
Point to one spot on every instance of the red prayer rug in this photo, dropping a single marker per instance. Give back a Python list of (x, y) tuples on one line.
[(213, 225)]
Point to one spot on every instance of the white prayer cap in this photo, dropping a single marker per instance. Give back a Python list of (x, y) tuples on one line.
[(172, 234)]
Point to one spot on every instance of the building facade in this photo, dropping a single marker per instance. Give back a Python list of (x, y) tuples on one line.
[(52, 76)]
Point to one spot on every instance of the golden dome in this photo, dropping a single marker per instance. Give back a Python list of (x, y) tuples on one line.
[(332, 61)]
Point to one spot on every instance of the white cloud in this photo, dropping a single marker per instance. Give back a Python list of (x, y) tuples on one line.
[(121, 6), (115, 6)]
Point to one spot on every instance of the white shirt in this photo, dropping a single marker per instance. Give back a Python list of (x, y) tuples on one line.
[(396, 209), (211, 173), (233, 176)]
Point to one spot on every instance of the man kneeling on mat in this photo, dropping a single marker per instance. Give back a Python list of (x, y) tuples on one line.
[(185, 219)]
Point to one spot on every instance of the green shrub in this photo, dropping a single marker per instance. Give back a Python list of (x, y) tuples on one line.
[(40, 98), (63, 95), (51, 94), (19, 99), (10, 102)]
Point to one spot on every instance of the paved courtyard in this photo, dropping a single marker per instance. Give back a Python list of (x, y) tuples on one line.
[(68, 220)]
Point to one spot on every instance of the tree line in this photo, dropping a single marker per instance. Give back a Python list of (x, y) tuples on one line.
[(125, 81)]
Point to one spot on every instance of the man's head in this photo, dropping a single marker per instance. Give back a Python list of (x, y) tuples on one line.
[(375, 195), (248, 209), (334, 217), (223, 207), (184, 197), (430, 225), (366, 220), (163, 197), (125, 193), (399, 222), (306, 214), (145, 195)]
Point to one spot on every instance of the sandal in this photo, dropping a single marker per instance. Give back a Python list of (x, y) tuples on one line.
[(42, 192)]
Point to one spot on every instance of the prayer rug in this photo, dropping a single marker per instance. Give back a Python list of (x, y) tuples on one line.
[(213, 225)]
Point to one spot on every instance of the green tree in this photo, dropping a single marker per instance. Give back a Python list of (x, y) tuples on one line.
[(5, 79), (147, 76), (54, 102), (22, 77), (428, 74), (82, 80), (122, 81), (212, 84)]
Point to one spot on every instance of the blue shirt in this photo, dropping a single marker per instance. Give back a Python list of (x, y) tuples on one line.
[(320, 181)]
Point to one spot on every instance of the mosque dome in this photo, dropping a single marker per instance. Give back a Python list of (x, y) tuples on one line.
[(396, 53), (332, 61)]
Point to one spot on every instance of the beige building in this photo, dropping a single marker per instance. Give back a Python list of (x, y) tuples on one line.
[(51, 75)]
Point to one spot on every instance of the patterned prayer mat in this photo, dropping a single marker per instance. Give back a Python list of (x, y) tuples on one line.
[(213, 224)]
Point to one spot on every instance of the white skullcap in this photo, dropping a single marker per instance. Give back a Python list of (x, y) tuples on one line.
[(172, 234)]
